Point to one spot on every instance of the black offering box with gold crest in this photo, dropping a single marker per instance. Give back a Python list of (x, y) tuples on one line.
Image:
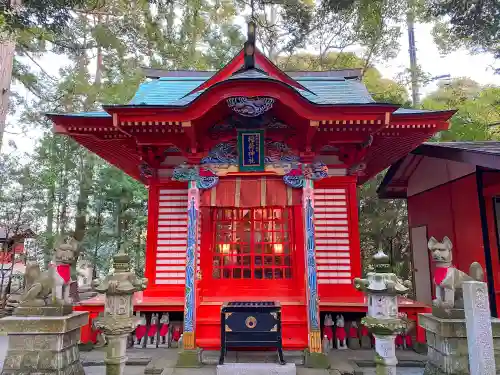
[(251, 325)]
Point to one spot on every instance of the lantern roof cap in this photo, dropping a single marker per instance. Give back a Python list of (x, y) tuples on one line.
[(381, 262)]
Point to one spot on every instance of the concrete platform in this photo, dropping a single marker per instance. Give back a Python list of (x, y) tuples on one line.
[(256, 369)]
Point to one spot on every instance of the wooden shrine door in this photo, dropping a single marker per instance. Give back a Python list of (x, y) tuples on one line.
[(250, 253)]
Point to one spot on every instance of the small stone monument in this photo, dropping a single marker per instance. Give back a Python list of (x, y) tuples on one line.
[(478, 323), (446, 329), (118, 320), (383, 288), (43, 331), (85, 272)]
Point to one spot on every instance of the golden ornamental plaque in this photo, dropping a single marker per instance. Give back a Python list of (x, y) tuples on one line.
[(251, 322)]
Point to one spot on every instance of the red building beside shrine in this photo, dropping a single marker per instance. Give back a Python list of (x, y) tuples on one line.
[(453, 190), (252, 176)]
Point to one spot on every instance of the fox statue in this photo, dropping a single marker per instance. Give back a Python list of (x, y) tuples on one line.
[(448, 280)]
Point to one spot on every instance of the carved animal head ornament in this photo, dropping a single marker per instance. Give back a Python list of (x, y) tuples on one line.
[(66, 251), (440, 251)]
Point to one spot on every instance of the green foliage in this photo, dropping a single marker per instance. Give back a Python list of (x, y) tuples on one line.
[(17, 15), (475, 25), (478, 114), (383, 224), (382, 90)]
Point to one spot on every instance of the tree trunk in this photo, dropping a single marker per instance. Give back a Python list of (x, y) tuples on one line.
[(88, 166), (49, 228), (7, 49), (139, 268), (87, 176), (98, 235), (63, 204), (118, 224)]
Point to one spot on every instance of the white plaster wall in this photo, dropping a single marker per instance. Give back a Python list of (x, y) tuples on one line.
[(432, 172)]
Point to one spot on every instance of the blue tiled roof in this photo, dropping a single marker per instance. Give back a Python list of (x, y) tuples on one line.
[(404, 111), (165, 90), (86, 114), (172, 91), (322, 90)]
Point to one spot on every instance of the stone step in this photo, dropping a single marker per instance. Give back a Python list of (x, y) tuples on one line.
[(211, 357), (256, 369)]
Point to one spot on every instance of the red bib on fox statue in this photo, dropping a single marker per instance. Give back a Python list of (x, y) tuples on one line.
[(353, 332), (440, 274), (64, 270), (140, 331), (164, 330), (328, 332), (340, 333)]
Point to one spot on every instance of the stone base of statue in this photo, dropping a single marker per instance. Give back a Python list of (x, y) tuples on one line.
[(448, 313), (117, 330), (447, 350), (43, 344)]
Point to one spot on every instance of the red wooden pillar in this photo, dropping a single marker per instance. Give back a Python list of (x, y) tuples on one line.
[(150, 272)]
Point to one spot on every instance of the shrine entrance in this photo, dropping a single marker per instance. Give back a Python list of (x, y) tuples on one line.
[(251, 250)]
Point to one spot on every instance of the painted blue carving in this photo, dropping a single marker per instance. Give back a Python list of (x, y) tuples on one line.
[(226, 154), (190, 267), (296, 176), (207, 182), (223, 153), (294, 181), (316, 171), (279, 152), (184, 172), (312, 283), (204, 177), (250, 107)]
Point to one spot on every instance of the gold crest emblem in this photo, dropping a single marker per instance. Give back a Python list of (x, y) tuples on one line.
[(251, 322)]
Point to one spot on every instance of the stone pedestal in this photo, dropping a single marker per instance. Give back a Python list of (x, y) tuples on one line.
[(385, 349), (447, 349), (43, 344), (116, 357)]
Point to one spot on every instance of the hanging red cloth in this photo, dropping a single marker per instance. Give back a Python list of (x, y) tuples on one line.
[(248, 192)]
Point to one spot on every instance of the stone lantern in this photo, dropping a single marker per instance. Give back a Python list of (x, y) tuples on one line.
[(382, 288), (118, 320)]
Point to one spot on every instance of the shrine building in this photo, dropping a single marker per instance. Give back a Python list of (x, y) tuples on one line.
[(252, 176)]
